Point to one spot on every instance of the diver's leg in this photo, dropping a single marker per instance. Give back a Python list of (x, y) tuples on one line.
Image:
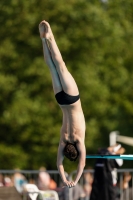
[(67, 81), (57, 87)]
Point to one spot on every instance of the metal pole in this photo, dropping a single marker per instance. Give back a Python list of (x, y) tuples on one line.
[(123, 157)]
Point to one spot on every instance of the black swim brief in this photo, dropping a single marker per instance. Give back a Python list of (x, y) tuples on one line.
[(65, 99)]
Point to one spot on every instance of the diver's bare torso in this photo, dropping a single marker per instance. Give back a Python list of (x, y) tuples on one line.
[(73, 126)]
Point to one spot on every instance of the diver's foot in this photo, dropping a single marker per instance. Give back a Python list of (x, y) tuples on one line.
[(45, 30)]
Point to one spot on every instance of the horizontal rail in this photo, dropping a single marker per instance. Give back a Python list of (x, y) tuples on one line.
[(28, 171)]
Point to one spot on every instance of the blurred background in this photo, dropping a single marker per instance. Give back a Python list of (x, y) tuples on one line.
[(96, 42)]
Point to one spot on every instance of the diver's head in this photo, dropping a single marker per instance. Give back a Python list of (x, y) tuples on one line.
[(71, 152)]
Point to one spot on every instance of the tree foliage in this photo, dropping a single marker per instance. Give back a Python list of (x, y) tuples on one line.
[(95, 40)]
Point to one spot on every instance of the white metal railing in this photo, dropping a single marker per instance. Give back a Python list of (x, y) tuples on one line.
[(32, 175)]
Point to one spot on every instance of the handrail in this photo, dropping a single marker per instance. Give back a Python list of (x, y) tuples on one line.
[(30, 171), (55, 171)]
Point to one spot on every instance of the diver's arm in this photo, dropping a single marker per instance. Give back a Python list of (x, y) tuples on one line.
[(60, 158), (82, 159)]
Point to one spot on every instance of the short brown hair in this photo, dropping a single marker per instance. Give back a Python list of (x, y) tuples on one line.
[(71, 151)]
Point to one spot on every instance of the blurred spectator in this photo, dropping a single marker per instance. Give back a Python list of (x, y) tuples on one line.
[(75, 193), (5, 181), (32, 181), (127, 190), (52, 185), (88, 180), (8, 181), (103, 185), (2, 181), (19, 181), (78, 192), (116, 150), (126, 178), (45, 182)]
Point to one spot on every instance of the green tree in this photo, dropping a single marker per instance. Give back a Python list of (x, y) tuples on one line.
[(95, 40)]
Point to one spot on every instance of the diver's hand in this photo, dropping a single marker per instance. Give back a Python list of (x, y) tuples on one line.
[(69, 184)]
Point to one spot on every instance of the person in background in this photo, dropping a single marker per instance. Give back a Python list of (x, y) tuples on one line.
[(2, 181), (88, 180), (116, 149), (8, 181), (127, 193), (76, 193), (103, 185), (45, 182), (19, 180), (126, 179)]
